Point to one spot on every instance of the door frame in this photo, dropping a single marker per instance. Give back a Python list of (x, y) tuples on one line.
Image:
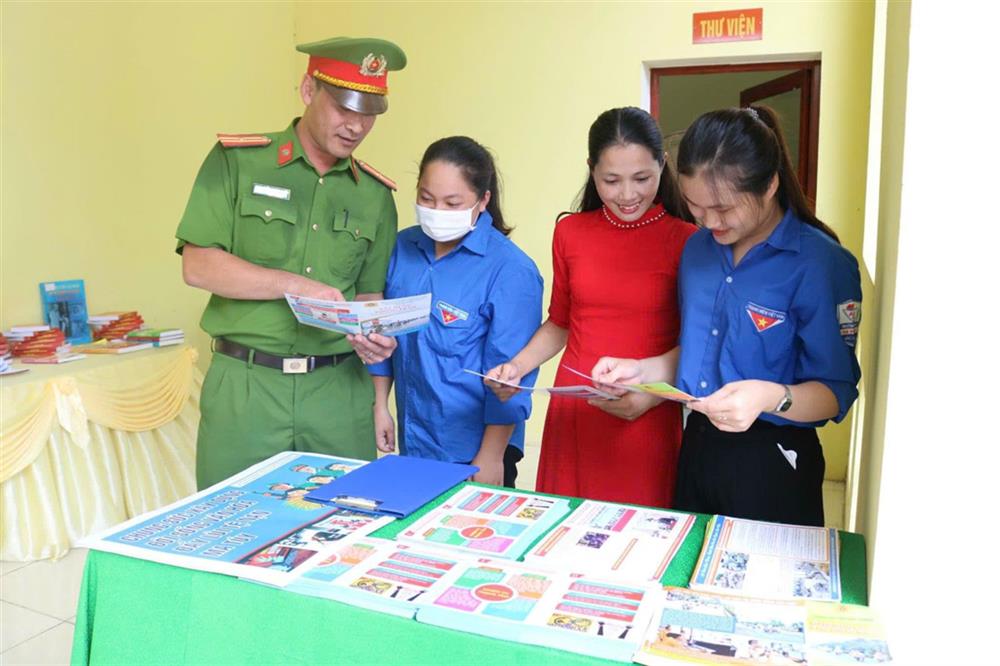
[(809, 125)]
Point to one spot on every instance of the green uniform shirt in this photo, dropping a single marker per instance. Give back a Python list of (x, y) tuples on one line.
[(266, 204)]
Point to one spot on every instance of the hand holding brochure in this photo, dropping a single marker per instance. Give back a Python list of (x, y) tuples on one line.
[(659, 389), (583, 392), (396, 316)]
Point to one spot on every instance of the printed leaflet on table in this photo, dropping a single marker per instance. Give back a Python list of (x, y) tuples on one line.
[(770, 560), (519, 603), (255, 525), (584, 392), (614, 541), (487, 521), (707, 628), (378, 574), (396, 316)]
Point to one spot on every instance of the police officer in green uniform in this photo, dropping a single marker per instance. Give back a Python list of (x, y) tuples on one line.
[(291, 212)]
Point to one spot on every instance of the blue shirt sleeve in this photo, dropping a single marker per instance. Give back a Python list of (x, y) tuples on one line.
[(829, 315), (515, 311)]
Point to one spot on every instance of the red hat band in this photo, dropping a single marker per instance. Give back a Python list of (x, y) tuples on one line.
[(368, 77)]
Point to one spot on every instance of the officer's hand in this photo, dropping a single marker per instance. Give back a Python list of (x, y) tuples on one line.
[(507, 372), (735, 406), (303, 286), (373, 348), (629, 407), (385, 430)]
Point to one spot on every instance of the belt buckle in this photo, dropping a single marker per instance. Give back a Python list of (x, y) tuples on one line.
[(295, 366)]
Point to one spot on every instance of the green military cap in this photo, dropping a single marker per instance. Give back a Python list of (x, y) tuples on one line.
[(358, 69)]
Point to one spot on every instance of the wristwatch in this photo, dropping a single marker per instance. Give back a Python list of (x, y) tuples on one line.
[(786, 401)]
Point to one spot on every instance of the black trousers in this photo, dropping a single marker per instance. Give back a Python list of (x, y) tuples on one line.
[(751, 474)]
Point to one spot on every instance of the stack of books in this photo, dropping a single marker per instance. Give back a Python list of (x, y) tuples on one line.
[(47, 345), (112, 347), (114, 325), (158, 337), (6, 354)]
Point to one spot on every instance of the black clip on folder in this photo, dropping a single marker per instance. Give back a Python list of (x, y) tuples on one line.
[(393, 485)]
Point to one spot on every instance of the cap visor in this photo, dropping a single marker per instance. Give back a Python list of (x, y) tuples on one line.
[(366, 103)]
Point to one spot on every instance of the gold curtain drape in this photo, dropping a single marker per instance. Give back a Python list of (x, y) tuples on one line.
[(83, 448)]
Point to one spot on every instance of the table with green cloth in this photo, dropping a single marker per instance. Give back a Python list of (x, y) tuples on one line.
[(134, 611)]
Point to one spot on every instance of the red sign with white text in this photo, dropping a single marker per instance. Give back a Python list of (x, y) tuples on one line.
[(734, 25)]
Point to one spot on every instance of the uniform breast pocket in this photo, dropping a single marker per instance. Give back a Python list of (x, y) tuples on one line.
[(767, 333), (265, 230), (453, 332), (349, 246)]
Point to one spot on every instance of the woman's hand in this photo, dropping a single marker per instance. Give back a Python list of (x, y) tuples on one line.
[(629, 407), (373, 348), (507, 372), (609, 370), (385, 429), (490, 469), (735, 406)]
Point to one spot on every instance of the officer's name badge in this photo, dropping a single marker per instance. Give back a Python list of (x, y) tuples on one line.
[(272, 191), (764, 318), (450, 313)]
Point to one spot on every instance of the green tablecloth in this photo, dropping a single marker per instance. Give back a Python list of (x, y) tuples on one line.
[(133, 611)]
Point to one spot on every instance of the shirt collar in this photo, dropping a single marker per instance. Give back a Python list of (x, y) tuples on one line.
[(787, 235), (290, 149), (475, 241)]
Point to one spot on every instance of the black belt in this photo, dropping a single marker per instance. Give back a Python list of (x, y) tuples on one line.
[(287, 364)]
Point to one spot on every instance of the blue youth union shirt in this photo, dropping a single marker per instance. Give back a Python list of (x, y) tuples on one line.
[(788, 313), (486, 303)]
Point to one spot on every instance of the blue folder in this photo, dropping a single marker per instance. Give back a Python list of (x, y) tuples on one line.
[(393, 485)]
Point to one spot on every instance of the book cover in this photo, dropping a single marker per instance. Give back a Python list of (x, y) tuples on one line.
[(488, 522), (64, 306), (113, 347)]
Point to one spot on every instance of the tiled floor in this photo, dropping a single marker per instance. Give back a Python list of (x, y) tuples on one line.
[(38, 609)]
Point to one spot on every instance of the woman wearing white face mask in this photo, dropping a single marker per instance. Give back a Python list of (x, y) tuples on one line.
[(486, 303)]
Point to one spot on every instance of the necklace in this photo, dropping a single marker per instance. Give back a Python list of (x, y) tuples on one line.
[(635, 225)]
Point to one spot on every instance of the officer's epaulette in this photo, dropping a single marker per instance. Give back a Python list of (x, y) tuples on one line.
[(377, 175), (240, 140)]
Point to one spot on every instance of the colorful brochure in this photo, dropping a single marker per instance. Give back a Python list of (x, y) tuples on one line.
[(519, 603), (613, 541), (487, 522), (378, 575), (584, 392), (397, 316), (706, 628), (659, 389), (255, 525), (769, 560)]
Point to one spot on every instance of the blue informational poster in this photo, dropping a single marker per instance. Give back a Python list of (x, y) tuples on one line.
[(64, 306), (255, 525)]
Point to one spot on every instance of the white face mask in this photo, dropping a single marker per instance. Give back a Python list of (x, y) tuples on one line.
[(445, 225)]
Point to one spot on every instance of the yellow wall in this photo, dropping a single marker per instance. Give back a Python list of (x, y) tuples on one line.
[(527, 80), (109, 109)]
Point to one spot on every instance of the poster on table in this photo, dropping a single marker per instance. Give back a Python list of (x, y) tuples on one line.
[(255, 525)]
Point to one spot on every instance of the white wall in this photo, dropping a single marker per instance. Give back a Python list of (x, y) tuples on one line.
[(934, 574)]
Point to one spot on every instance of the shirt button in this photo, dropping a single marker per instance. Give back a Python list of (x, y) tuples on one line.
[(315, 227), (703, 384), (309, 269), (715, 331), (321, 181), (729, 279), (267, 213)]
